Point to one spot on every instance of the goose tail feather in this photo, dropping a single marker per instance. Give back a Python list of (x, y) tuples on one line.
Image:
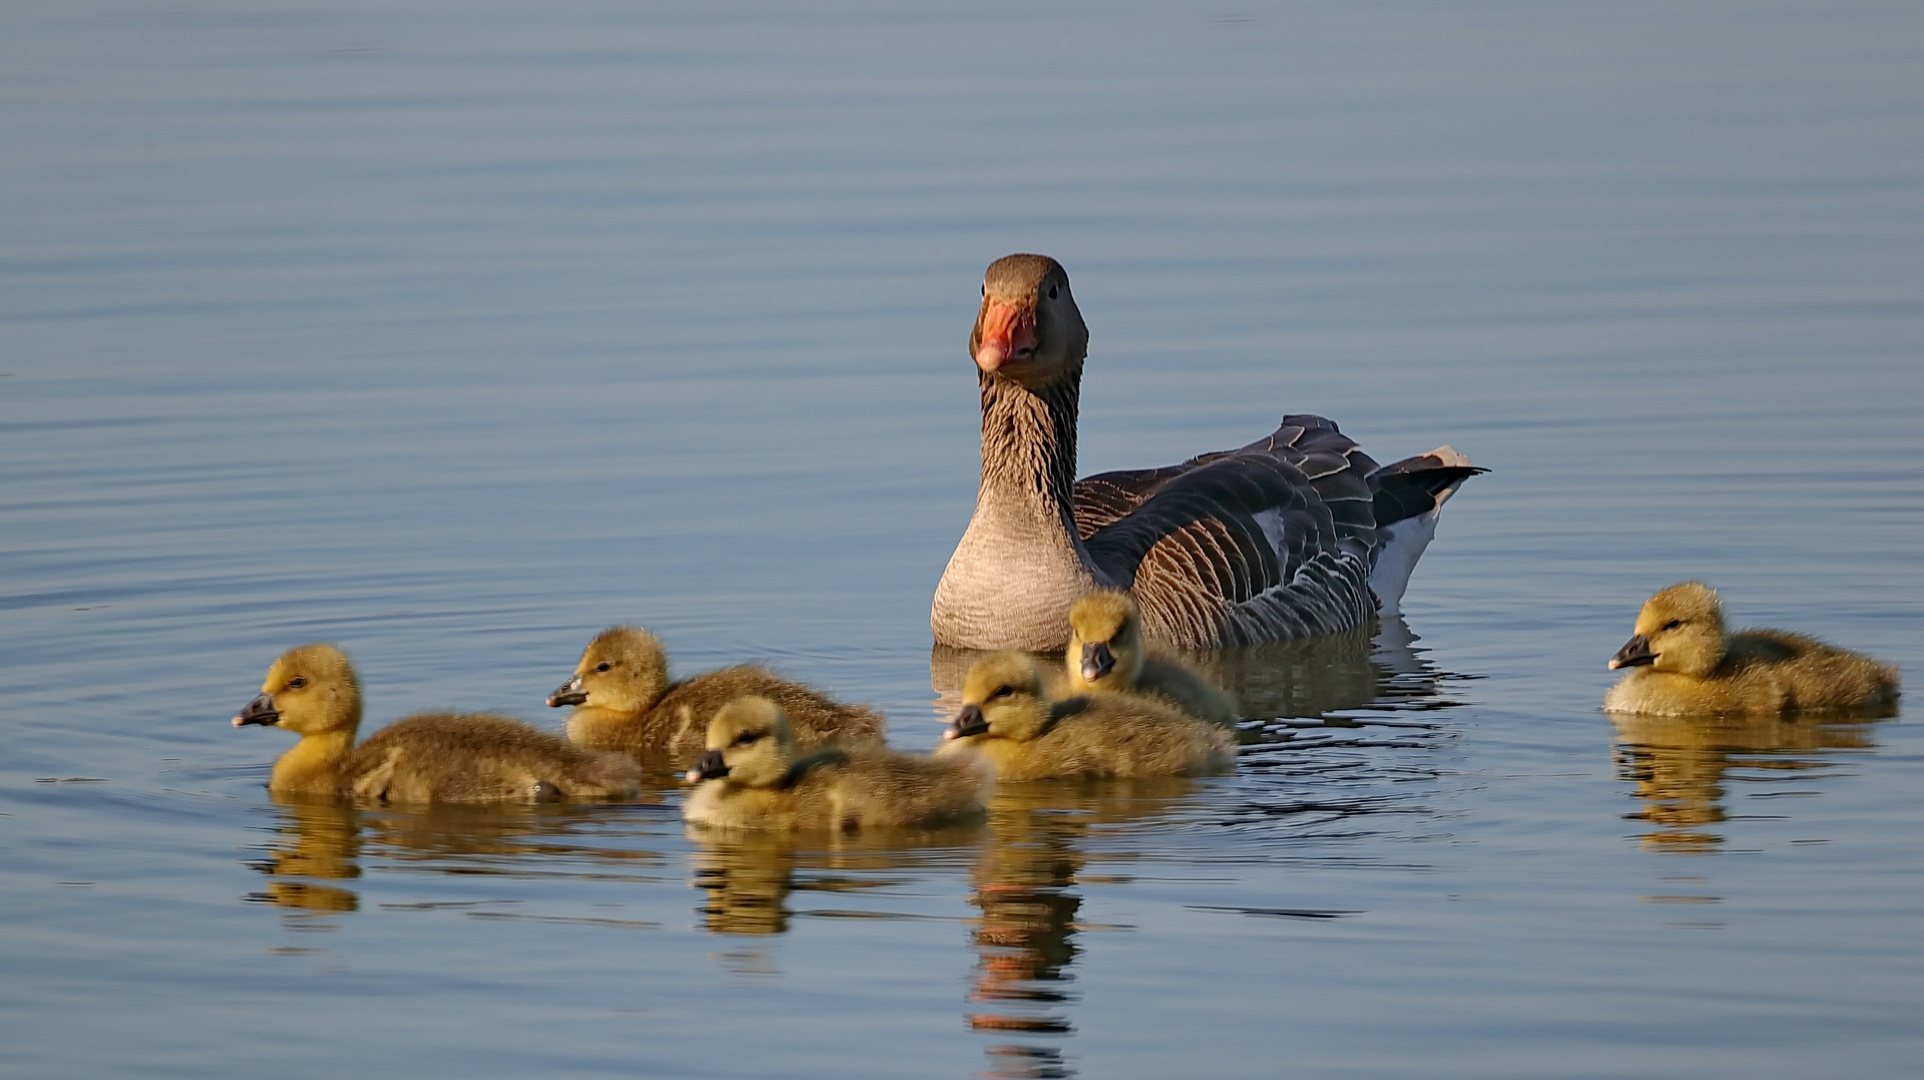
[(1408, 498)]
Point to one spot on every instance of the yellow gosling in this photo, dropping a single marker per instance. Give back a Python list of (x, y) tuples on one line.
[(1106, 653), (1027, 737), (425, 758), (1682, 663), (625, 701), (750, 777)]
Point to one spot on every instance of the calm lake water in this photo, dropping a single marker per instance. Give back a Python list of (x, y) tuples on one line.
[(454, 333)]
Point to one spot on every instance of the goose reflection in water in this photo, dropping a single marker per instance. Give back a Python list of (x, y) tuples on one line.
[(1682, 766), (1377, 667), (1035, 854)]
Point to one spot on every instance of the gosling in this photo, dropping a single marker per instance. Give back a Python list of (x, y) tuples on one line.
[(624, 701), (1683, 663), (1027, 737), (751, 778), (1105, 653), (425, 758)]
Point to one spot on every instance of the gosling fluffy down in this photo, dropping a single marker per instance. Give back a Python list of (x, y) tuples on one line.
[(751, 778), (624, 701), (1105, 653), (425, 758), (1027, 737), (1683, 663)]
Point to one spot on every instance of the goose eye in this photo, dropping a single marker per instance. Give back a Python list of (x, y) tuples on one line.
[(603, 666), (1673, 624), (985, 290), (1052, 292), (296, 682)]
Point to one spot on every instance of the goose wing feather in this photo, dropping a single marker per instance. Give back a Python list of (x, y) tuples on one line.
[(1231, 546)]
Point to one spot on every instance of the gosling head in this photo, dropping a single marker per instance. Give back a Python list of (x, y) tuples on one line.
[(749, 742), (1001, 698), (1105, 641), (623, 670), (1028, 330), (311, 690), (1680, 630)]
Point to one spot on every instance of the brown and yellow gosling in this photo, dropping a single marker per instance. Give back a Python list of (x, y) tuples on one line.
[(1683, 663), (750, 777), (625, 701), (1106, 653), (1027, 737), (425, 758)]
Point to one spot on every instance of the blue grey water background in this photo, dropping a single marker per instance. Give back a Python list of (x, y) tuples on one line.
[(456, 332)]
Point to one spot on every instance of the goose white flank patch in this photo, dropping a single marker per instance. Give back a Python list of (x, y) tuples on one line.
[(1297, 534)]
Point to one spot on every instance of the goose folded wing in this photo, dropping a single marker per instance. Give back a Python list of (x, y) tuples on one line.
[(1108, 497)]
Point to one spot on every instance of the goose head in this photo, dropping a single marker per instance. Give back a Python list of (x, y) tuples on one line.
[(1679, 630), (624, 669), (1001, 699), (749, 741), (310, 690), (1029, 330), (1105, 641)]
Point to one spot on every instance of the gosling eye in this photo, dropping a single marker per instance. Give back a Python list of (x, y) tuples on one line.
[(297, 682), (603, 666), (746, 737), (985, 290), (1673, 624), (1001, 692)]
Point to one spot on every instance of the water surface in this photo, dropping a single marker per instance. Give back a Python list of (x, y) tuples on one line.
[(455, 333)]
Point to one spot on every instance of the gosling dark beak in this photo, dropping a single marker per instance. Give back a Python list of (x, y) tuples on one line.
[(258, 711), (969, 721), (568, 693), (710, 767), (1097, 660), (1634, 653)]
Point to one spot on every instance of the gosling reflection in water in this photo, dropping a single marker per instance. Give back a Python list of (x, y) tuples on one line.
[(320, 841), (1680, 764), (747, 876), (1025, 887)]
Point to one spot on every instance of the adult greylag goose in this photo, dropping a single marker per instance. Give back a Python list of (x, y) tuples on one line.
[(1297, 534), (751, 777), (1006, 717), (1682, 662), (1105, 653), (425, 758)]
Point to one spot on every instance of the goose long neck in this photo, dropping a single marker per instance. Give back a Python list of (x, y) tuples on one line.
[(1029, 447), (1019, 565)]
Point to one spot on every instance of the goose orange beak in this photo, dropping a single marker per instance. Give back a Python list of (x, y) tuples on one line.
[(1005, 334)]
